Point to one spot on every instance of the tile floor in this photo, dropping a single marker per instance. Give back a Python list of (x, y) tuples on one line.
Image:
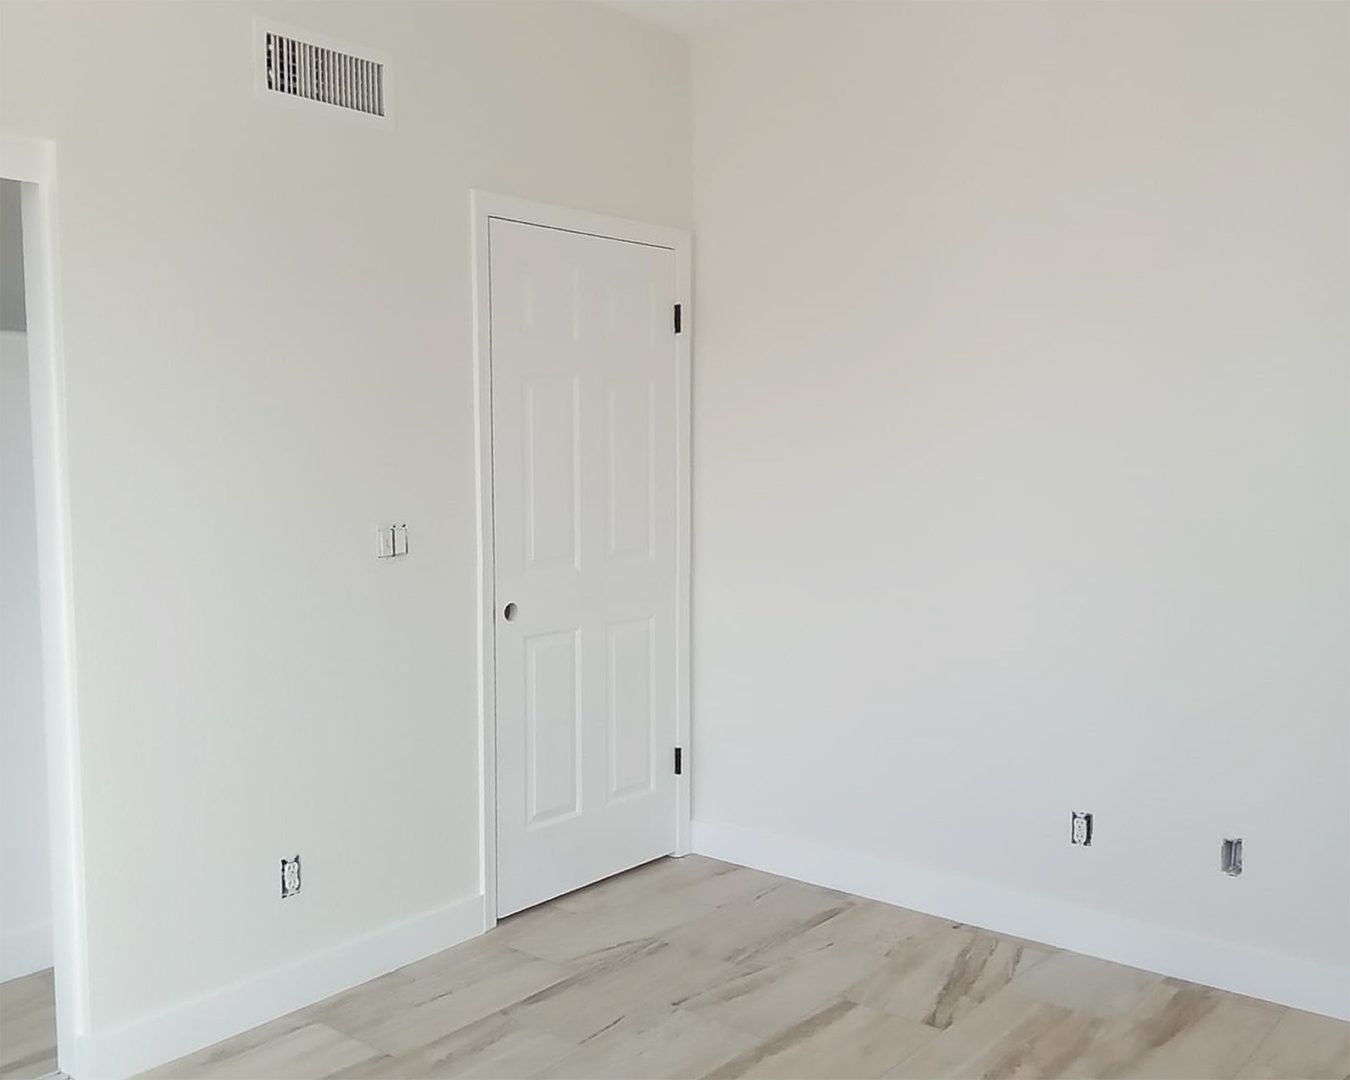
[(694, 968)]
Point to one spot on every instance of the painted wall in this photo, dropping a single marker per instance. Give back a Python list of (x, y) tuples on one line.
[(25, 874), (1021, 452), (268, 350)]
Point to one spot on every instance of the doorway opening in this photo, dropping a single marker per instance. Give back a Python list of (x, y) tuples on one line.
[(27, 988), (43, 989)]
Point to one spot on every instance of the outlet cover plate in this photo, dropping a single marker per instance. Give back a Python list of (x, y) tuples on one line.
[(290, 877)]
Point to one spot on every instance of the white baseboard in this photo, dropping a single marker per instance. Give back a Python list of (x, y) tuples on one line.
[(1255, 972), (192, 1025), (24, 950)]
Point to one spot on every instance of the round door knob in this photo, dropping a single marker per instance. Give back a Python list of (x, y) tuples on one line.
[(509, 612)]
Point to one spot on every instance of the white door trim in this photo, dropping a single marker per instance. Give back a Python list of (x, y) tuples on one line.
[(483, 207), (32, 162)]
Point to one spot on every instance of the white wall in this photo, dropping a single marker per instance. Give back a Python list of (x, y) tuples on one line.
[(267, 339), (1021, 483), (25, 874)]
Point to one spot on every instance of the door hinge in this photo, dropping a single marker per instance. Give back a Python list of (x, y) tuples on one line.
[(679, 321), (679, 760)]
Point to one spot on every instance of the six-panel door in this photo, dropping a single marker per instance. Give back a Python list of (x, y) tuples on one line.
[(584, 488)]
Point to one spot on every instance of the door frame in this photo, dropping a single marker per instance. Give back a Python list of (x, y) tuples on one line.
[(483, 208), (32, 162)]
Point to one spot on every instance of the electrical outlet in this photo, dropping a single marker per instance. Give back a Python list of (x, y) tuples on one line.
[(1230, 857), (290, 877), (1080, 832)]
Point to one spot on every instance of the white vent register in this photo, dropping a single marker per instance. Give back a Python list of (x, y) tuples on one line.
[(305, 68)]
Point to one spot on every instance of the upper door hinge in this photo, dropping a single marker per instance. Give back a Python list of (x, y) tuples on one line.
[(679, 760), (679, 328)]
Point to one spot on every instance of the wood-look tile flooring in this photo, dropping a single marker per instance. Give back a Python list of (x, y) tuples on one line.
[(693, 968), (28, 1027)]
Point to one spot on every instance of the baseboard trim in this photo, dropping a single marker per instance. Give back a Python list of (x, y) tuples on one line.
[(1260, 973), (192, 1025), (24, 950)]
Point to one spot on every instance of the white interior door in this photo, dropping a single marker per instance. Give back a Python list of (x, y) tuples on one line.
[(584, 488)]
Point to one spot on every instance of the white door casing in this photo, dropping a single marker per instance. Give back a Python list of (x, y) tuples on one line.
[(589, 486)]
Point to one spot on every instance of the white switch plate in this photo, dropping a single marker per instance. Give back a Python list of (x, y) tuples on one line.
[(391, 541)]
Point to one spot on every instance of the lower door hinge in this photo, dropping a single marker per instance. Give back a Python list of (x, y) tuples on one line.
[(679, 318), (679, 760)]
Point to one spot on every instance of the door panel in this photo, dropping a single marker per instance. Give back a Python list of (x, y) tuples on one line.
[(552, 463), (552, 743), (632, 707), (584, 524), (631, 459)]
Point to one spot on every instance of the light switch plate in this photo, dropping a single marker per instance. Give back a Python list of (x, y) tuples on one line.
[(384, 542)]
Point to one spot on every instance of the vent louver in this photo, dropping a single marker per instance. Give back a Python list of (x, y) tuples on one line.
[(307, 71)]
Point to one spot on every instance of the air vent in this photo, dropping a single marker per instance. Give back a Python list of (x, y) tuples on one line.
[(304, 68)]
